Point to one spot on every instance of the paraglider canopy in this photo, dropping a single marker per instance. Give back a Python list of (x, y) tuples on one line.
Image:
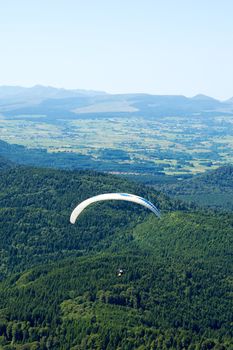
[(113, 196)]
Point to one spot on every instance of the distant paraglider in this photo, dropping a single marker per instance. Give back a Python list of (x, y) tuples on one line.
[(120, 272), (113, 196)]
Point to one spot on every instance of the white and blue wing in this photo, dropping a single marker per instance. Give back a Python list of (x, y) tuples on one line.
[(113, 196)]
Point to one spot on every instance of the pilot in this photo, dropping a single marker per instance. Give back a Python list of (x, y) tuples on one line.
[(120, 272)]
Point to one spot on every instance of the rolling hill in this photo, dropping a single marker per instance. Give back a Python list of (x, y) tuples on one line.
[(213, 188), (56, 102), (59, 288)]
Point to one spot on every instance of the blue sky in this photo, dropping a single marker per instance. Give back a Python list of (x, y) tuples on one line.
[(153, 46)]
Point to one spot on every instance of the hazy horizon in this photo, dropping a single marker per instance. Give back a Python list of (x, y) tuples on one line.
[(161, 48)]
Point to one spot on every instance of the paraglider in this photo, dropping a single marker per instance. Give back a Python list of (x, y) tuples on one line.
[(113, 196), (120, 272)]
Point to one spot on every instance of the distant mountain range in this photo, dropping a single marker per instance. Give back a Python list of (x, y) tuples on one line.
[(56, 102), (41, 92)]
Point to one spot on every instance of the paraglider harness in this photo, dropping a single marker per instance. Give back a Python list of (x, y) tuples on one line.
[(120, 272)]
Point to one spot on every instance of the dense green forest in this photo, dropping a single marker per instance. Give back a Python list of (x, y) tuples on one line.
[(213, 188), (36, 205), (5, 163), (59, 287)]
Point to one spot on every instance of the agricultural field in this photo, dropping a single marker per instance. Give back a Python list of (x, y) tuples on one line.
[(171, 145)]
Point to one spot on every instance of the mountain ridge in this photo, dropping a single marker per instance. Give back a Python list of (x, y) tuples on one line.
[(59, 103), (11, 90)]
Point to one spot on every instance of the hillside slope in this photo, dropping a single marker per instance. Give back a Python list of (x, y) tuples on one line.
[(60, 289), (5, 163), (36, 205), (213, 188), (175, 292)]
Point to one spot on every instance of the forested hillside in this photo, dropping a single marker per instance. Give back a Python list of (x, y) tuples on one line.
[(36, 205), (5, 163), (59, 287), (213, 188)]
